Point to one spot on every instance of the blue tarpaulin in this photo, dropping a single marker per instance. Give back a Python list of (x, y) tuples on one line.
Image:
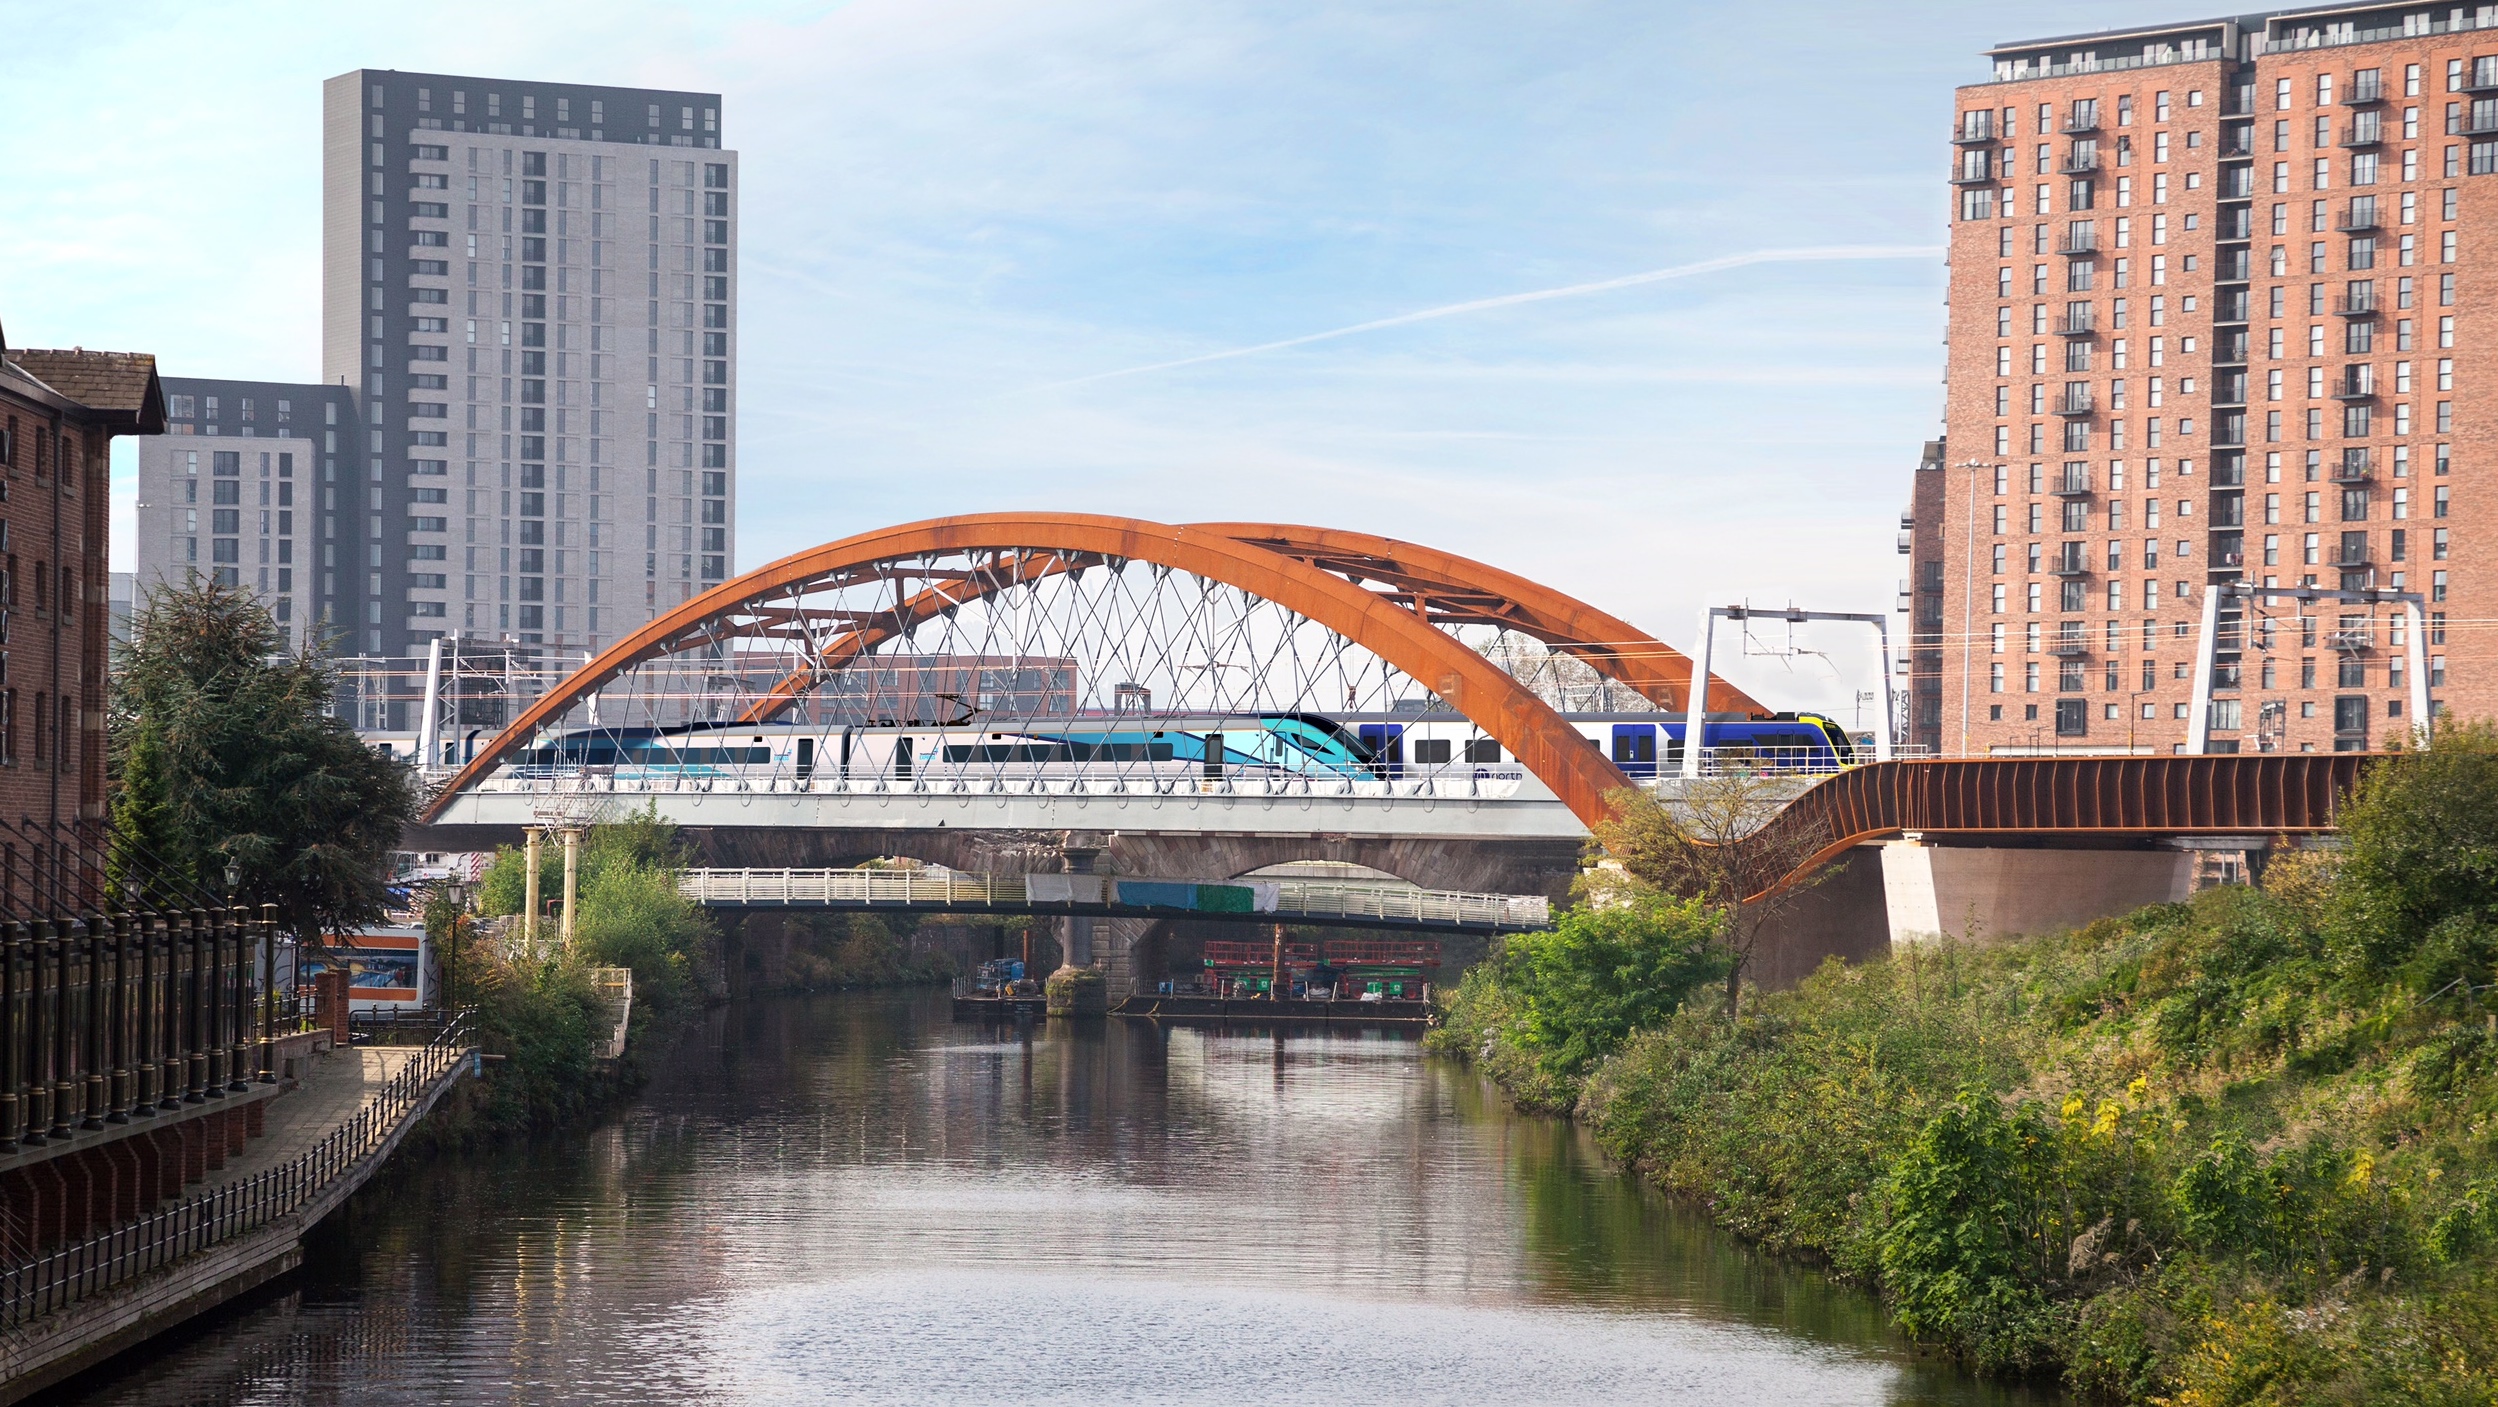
[(1157, 894)]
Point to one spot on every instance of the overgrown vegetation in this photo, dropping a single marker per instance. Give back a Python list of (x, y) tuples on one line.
[(2240, 1150), (539, 1010)]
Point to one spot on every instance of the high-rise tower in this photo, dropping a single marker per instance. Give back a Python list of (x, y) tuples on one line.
[(2217, 316), (531, 288)]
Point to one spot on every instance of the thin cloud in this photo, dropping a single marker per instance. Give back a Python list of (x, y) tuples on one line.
[(1825, 254)]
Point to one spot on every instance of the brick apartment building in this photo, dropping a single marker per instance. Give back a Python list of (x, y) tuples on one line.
[(59, 411), (2223, 296)]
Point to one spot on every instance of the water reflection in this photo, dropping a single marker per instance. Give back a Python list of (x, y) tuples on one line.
[(850, 1199)]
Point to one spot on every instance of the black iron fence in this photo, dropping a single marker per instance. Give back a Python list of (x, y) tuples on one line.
[(65, 1276), (110, 1015)]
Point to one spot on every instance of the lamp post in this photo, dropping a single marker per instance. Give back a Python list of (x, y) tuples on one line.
[(457, 893)]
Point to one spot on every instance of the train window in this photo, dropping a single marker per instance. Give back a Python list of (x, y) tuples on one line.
[(1482, 750), (1431, 752)]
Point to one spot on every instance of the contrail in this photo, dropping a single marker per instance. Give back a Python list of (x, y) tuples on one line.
[(1576, 290)]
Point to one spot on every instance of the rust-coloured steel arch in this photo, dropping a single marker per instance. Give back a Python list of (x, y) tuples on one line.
[(1447, 589), (1441, 587), (1538, 737), (2107, 798)]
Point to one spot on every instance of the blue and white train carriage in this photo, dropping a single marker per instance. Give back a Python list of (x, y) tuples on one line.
[(1272, 745)]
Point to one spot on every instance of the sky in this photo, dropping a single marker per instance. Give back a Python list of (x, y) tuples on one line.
[(1211, 260)]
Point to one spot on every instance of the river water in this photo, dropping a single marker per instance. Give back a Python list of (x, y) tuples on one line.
[(852, 1199)]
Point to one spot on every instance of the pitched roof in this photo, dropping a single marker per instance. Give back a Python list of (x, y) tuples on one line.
[(123, 386)]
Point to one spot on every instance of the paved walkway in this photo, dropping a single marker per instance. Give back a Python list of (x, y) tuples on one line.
[(336, 1084)]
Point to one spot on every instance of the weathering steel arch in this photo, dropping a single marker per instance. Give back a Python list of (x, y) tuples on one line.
[(1579, 775)]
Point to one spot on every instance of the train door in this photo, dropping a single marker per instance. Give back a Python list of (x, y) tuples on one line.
[(902, 759), (1673, 760), (1635, 749), (806, 758), (1214, 754), (1386, 742), (845, 754)]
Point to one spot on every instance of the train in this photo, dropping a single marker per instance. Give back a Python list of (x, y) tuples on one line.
[(1294, 745)]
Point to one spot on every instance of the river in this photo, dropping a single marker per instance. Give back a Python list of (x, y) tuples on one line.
[(852, 1199)]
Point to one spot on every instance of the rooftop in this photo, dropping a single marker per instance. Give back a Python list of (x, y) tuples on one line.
[(122, 385)]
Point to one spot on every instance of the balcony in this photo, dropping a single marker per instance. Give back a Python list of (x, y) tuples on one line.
[(2077, 325), (2349, 556), (2355, 468), (2238, 223), (2229, 390), (2484, 78), (2229, 349), (2357, 221), (1965, 176), (1977, 129), (2068, 647), (2231, 305), (2233, 266), (2362, 305), (2480, 124), (2081, 163), (2364, 133), (2081, 121), (2238, 147), (2358, 384), (2075, 401), (2237, 183), (2079, 246), (2351, 642), (2068, 564), (2072, 486), (2363, 94)]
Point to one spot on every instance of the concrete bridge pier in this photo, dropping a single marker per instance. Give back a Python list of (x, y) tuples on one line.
[(1079, 987), (1883, 896), (1976, 893)]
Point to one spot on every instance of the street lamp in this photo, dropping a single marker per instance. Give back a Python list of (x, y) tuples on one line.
[(457, 893)]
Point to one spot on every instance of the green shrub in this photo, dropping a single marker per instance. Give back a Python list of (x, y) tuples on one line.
[(1960, 1244)]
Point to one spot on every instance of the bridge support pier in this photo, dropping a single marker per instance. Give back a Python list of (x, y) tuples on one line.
[(1078, 987), (1975, 893)]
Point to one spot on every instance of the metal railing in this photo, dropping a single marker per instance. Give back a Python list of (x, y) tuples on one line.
[(1450, 781), (72, 1273), (1295, 898)]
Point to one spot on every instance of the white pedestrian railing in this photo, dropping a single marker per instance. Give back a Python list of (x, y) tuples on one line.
[(1315, 900)]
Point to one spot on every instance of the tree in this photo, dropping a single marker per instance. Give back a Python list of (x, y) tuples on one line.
[(2416, 888), (224, 752), (1600, 974), (1714, 842)]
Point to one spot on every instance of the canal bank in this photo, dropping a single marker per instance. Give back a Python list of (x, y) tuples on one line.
[(852, 1198)]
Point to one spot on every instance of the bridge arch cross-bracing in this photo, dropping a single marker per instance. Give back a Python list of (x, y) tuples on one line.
[(1218, 618)]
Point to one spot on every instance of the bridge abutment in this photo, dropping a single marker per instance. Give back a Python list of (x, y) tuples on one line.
[(1977, 893)]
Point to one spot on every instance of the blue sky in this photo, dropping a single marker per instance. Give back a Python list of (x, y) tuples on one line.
[(959, 215)]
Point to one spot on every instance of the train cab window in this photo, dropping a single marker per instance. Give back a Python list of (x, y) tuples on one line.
[(1482, 750), (1431, 752)]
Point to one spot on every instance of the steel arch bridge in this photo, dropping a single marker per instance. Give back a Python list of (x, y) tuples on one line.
[(1217, 618)]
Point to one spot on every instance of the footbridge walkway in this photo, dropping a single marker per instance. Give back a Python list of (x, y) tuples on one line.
[(1340, 905)]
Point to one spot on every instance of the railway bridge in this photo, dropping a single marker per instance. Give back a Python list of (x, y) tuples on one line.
[(1004, 693)]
